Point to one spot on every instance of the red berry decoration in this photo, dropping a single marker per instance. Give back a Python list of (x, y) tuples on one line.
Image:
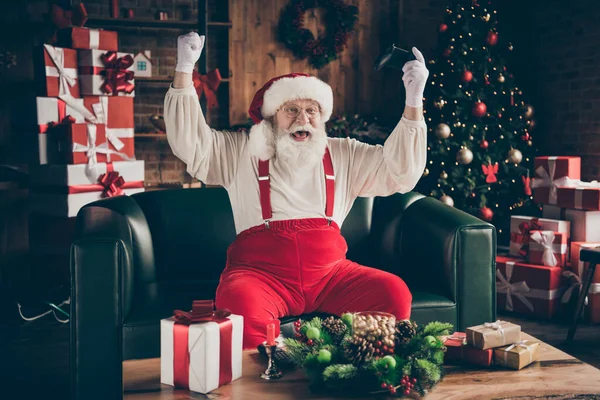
[(484, 144), (384, 385), (414, 380), (467, 76), (479, 109), (492, 38), (406, 392), (393, 390), (443, 28), (486, 214), (310, 342)]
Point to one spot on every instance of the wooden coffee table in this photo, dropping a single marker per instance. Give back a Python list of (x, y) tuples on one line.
[(557, 374)]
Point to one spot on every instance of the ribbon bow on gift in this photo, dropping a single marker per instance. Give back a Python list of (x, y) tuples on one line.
[(521, 343), (116, 74), (546, 239), (66, 77), (512, 289), (113, 184), (525, 229), (546, 179), (208, 84), (202, 311)]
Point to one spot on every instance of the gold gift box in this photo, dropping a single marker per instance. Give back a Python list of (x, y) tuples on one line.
[(493, 334), (517, 355)]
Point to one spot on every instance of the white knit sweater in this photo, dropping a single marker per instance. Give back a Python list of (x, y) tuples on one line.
[(361, 170)]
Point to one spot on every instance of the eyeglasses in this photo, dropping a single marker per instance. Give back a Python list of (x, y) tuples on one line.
[(294, 111)]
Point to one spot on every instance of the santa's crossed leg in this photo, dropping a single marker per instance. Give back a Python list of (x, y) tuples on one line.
[(290, 188)]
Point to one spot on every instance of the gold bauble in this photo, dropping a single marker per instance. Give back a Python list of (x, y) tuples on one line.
[(447, 200), (529, 143), (529, 111), (486, 17), (501, 78), (426, 172), (444, 175), (464, 156), (515, 156), (442, 131)]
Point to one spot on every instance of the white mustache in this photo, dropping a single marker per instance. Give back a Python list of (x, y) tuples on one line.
[(308, 128)]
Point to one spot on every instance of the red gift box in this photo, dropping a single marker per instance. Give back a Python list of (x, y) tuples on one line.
[(521, 227), (548, 248), (103, 73), (87, 143), (86, 38), (527, 288), (458, 351), (60, 72), (114, 111), (582, 196), (552, 172)]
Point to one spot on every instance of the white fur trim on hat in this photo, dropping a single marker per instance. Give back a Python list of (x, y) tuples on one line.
[(261, 141), (297, 88)]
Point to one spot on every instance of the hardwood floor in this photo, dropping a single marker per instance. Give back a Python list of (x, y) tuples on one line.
[(35, 355)]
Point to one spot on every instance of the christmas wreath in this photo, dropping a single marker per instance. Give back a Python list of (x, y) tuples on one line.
[(368, 353), (339, 20)]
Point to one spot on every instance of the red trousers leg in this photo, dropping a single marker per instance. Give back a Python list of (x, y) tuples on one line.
[(255, 296), (354, 288)]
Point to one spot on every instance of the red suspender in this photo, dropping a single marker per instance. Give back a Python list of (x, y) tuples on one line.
[(329, 184), (264, 186)]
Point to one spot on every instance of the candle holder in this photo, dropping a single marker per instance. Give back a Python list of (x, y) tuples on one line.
[(272, 372)]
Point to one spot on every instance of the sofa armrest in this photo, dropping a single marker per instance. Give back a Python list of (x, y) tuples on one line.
[(99, 277), (440, 249)]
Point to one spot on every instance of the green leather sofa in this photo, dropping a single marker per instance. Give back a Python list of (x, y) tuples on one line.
[(136, 259)]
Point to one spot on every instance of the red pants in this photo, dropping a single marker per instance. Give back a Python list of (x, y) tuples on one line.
[(297, 267)]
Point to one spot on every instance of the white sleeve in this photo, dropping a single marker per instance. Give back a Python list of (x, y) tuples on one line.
[(210, 156), (396, 166)]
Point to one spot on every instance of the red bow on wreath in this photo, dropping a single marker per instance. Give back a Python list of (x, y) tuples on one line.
[(112, 183), (116, 74), (202, 311), (490, 171), (62, 18), (208, 84)]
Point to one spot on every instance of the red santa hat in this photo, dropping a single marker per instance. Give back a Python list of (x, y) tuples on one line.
[(272, 95)]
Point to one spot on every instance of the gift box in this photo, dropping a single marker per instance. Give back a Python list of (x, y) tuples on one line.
[(585, 225), (581, 196), (548, 248), (57, 72), (201, 350), (550, 211), (106, 73), (458, 351), (527, 288), (86, 38), (578, 266), (493, 334), (116, 112), (87, 143), (521, 227), (61, 190), (552, 172), (518, 355)]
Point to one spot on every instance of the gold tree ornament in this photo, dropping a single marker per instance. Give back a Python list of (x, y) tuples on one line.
[(442, 131), (447, 200), (529, 111), (501, 78), (464, 156), (444, 175), (426, 172), (515, 156)]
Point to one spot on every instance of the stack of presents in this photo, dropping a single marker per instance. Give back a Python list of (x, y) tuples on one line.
[(85, 126), (542, 274)]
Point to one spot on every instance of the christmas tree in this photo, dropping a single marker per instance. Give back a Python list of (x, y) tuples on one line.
[(480, 150)]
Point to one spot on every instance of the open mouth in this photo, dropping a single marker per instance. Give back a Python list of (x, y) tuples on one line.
[(300, 136)]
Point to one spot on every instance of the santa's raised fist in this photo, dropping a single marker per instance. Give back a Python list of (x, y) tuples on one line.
[(415, 77), (189, 48)]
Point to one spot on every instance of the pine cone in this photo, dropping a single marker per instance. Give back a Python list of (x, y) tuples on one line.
[(405, 331), (335, 327), (358, 350)]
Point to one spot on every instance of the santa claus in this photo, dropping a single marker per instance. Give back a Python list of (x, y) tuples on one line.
[(290, 188)]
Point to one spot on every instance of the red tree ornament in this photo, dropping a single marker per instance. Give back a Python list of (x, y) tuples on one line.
[(479, 109), (492, 38), (526, 185), (486, 214), (443, 28), (447, 52), (490, 172), (484, 144), (525, 136), (467, 76)]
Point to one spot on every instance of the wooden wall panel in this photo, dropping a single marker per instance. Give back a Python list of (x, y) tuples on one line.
[(257, 56)]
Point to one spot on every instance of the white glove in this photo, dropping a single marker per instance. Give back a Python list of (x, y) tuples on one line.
[(415, 78), (189, 48)]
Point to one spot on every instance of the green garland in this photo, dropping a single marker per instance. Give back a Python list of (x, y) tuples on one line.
[(339, 18), (415, 365)]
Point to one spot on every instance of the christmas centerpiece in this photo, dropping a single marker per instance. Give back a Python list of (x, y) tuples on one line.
[(369, 353)]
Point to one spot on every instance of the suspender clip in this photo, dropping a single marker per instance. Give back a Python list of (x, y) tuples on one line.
[(267, 223), (329, 221)]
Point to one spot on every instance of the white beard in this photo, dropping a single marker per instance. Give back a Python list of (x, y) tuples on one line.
[(303, 154)]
